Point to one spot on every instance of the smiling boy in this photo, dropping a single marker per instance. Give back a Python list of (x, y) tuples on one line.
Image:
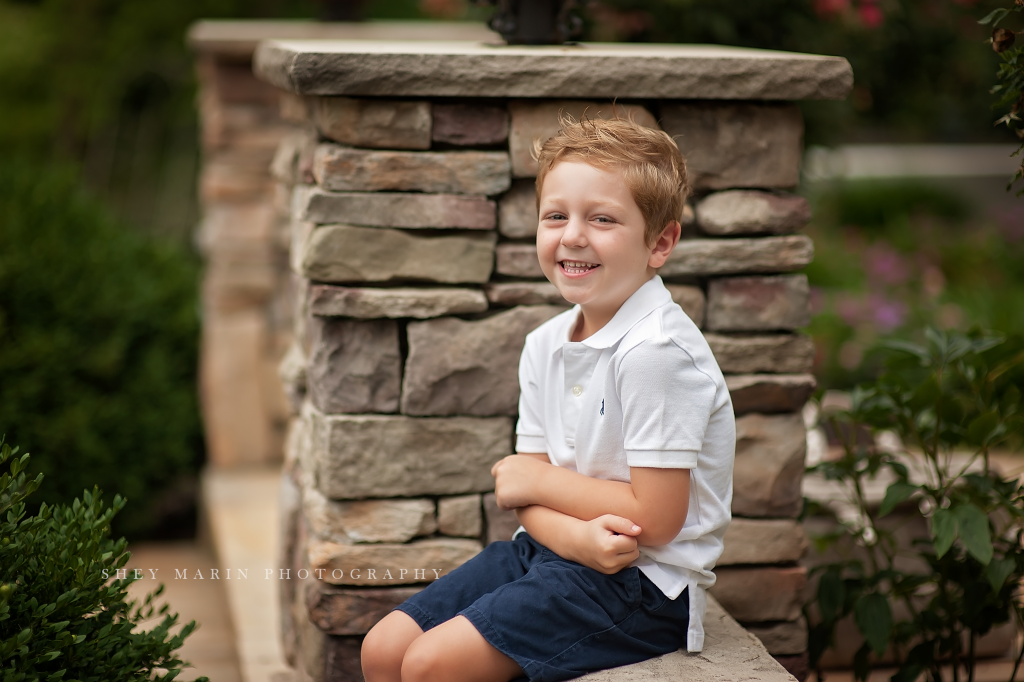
[(622, 479)]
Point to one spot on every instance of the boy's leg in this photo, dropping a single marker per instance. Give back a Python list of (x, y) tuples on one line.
[(455, 651), (385, 645)]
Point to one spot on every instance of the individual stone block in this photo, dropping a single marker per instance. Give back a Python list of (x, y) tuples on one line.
[(703, 257), (788, 638), (763, 541), (501, 523), (769, 466), (769, 393), (751, 212), (523, 293), (690, 299), (354, 366), (518, 260), (395, 209), (470, 125), (374, 123), (342, 662), (783, 353), (758, 595), (293, 160), (537, 120), (361, 170), (460, 516), (367, 520), (342, 253), (292, 373), (359, 456), (388, 564), (798, 666), (341, 611), (517, 211), (368, 303), (730, 144), (740, 304), (468, 367)]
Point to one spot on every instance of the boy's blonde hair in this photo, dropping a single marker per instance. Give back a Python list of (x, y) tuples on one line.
[(651, 164)]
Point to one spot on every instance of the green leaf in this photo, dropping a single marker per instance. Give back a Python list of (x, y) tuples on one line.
[(998, 571), (894, 494), (943, 531), (982, 427), (996, 16), (831, 594), (874, 620), (974, 532)]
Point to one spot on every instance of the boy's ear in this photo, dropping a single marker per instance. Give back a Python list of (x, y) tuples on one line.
[(664, 244)]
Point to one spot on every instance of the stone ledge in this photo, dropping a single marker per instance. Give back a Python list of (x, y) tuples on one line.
[(369, 303), (763, 541), (398, 209), (768, 393), (362, 456), (731, 654), (466, 69), (699, 257)]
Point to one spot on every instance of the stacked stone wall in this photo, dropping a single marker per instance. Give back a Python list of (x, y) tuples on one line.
[(416, 279)]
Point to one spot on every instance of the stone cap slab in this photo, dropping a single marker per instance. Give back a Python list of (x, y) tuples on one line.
[(239, 38), (731, 654), (607, 70)]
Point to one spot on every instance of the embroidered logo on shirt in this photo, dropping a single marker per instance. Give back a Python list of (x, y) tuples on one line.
[(602, 407)]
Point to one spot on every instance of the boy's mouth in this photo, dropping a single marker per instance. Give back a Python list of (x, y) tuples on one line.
[(577, 267)]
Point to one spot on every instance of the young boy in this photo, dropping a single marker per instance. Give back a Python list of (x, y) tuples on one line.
[(622, 479)]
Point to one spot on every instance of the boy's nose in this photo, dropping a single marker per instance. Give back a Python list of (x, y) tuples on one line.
[(574, 234)]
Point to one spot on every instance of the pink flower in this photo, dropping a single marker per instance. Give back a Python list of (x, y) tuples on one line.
[(884, 264), (887, 314), (827, 9), (870, 14)]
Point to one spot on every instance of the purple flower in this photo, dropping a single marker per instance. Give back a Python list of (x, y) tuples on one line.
[(884, 264), (888, 315)]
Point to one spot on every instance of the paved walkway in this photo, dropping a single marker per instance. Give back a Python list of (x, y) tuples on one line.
[(211, 647)]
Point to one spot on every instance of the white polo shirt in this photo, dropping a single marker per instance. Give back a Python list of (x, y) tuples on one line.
[(644, 391)]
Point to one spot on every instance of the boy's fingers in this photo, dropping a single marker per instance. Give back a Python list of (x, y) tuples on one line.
[(617, 524)]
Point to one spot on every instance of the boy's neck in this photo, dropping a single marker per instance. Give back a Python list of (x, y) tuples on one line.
[(594, 318)]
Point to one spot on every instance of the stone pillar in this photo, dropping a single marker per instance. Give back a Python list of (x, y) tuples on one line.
[(416, 281)]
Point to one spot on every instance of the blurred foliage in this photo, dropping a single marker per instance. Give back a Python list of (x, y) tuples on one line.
[(921, 68), (1009, 91), (64, 613), (946, 406), (98, 346), (892, 257)]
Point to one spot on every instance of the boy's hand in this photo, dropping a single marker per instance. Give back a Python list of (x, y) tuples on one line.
[(515, 477), (607, 544)]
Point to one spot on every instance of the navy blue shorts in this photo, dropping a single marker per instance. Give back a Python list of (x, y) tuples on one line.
[(557, 619)]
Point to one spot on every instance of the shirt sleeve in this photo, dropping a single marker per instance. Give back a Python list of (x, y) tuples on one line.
[(530, 428), (667, 403)]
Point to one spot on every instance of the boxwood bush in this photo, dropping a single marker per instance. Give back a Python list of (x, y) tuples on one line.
[(62, 617), (98, 346)]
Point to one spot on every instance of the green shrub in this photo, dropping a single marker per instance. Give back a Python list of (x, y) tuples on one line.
[(98, 346), (950, 404), (61, 618)]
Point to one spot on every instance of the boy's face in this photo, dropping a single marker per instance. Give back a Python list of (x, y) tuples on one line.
[(590, 239)]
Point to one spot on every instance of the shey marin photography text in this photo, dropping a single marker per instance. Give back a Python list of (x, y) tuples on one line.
[(400, 574)]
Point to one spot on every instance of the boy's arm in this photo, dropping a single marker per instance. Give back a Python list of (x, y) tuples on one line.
[(657, 500), (604, 544)]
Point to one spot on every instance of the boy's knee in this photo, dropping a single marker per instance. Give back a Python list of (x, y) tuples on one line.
[(382, 651), (424, 662)]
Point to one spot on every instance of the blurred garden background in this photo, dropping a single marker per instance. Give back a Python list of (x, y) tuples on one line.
[(99, 311)]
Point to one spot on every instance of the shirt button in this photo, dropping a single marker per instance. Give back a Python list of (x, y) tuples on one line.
[(577, 390)]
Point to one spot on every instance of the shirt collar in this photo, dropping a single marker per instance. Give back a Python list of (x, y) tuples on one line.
[(645, 300)]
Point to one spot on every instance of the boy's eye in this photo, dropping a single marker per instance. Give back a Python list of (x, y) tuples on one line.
[(555, 216)]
